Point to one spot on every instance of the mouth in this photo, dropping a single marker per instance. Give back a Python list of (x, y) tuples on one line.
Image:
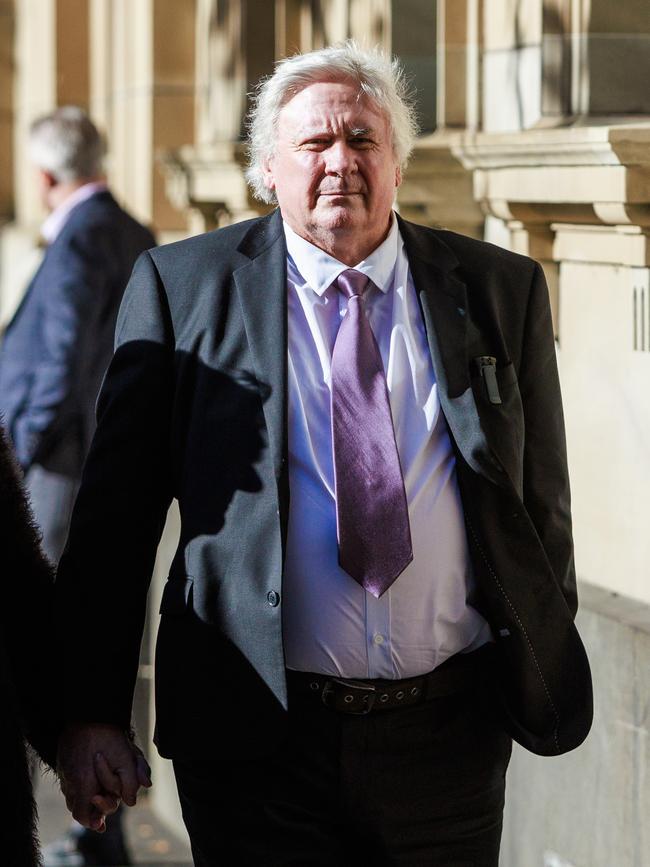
[(340, 193)]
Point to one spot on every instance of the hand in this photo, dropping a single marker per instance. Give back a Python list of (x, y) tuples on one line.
[(111, 779), (90, 755)]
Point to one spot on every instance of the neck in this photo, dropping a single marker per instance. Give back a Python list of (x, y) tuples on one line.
[(343, 245), (63, 190)]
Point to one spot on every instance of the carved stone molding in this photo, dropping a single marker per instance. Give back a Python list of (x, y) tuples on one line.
[(598, 175), (209, 181), (437, 188)]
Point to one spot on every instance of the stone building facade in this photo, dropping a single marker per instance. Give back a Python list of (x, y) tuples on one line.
[(535, 120)]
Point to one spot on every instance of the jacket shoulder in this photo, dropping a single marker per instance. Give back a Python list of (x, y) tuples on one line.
[(469, 255), (216, 248), (102, 217), (470, 250)]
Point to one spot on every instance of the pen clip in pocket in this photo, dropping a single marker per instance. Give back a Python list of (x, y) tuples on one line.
[(487, 367)]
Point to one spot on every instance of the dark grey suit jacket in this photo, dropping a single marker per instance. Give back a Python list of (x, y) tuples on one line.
[(58, 344), (194, 407)]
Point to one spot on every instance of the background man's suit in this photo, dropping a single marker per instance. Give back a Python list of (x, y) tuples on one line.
[(194, 407), (57, 347)]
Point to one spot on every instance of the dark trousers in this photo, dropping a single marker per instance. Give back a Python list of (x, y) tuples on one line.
[(414, 786)]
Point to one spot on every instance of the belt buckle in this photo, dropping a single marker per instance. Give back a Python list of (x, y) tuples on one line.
[(328, 695)]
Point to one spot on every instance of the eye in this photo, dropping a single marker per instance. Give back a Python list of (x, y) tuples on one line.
[(315, 144), (361, 142)]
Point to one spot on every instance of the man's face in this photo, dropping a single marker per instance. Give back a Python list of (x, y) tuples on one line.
[(334, 171)]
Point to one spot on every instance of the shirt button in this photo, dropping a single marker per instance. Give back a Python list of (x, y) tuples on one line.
[(273, 598), (378, 638)]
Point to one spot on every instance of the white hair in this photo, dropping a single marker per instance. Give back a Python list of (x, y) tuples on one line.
[(380, 79), (67, 144)]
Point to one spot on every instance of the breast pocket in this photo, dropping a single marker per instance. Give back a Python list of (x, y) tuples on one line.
[(496, 391)]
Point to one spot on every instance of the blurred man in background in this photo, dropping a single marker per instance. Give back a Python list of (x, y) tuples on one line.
[(59, 342)]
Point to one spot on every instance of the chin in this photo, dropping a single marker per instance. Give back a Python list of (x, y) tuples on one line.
[(339, 217)]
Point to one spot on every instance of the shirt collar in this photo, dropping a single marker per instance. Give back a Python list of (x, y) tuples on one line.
[(55, 222), (319, 270)]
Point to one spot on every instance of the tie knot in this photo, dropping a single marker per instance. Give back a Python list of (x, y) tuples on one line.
[(352, 283)]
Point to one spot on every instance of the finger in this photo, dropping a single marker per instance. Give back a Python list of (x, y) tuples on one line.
[(85, 813), (143, 771), (98, 820), (129, 788), (106, 804), (108, 779)]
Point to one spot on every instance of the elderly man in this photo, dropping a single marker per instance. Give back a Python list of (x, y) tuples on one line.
[(374, 587)]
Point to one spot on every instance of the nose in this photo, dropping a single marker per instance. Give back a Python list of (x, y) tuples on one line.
[(341, 159)]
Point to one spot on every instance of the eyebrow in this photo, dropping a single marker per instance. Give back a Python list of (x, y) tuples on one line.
[(316, 131)]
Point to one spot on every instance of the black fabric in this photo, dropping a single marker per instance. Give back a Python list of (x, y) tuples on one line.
[(416, 786), (26, 705)]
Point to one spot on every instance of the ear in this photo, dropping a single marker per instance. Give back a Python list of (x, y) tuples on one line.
[(267, 171), (46, 179), (398, 176)]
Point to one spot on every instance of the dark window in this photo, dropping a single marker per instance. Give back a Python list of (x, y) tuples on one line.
[(414, 42)]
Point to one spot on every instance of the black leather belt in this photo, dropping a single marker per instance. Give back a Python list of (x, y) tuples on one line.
[(346, 695)]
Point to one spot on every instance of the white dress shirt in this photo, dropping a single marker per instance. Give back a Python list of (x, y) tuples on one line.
[(331, 625)]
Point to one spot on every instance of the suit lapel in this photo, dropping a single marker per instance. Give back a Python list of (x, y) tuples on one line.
[(262, 291), (443, 299)]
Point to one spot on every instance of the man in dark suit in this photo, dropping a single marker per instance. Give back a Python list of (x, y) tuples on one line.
[(374, 587), (58, 344)]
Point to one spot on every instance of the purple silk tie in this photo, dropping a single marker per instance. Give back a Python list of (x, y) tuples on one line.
[(371, 509)]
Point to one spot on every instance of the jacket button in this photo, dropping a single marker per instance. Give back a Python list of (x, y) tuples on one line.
[(273, 598)]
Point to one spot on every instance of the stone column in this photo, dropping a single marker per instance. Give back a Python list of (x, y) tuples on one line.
[(35, 93), (235, 47), (511, 71), (72, 60), (288, 30), (149, 106), (100, 39), (437, 189), (7, 27), (558, 58), (369, 22), (51, 42)]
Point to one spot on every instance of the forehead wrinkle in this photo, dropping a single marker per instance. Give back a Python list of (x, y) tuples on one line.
[(332, 129)]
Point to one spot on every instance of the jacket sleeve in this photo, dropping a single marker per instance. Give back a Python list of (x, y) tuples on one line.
[(105, 571), (546, 476), (80, 272), (25, 615)]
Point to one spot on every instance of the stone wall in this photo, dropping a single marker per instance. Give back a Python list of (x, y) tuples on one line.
[(591, 808)]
